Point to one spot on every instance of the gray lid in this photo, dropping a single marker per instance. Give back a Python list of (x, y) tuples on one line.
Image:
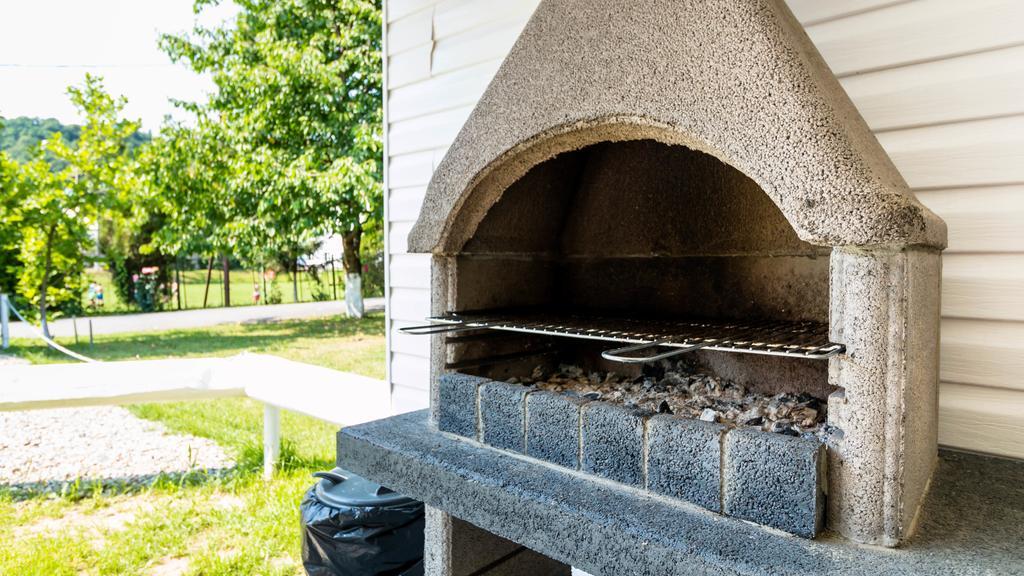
[(341, 488)]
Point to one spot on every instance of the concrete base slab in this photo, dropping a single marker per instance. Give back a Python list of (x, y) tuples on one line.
[(972, 523)]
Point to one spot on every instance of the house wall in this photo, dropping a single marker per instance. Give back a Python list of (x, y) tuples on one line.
[(940, 83)]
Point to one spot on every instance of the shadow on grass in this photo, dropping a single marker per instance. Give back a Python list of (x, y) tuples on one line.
[(81, 488), (211, 341)]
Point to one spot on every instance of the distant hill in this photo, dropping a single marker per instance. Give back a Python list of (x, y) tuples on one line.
[(19, 136)]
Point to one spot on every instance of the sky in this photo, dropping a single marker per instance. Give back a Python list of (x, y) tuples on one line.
[(47, 45)]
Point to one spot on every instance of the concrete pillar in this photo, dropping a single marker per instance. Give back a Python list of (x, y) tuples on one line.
[(885, 309), (439, 298)]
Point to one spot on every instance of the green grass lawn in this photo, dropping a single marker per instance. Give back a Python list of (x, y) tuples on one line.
[(193, 286), (197, 524)]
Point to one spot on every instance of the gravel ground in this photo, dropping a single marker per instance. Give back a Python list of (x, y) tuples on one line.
[(53, 446)]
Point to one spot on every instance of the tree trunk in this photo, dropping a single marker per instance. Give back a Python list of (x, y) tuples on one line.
[(227, 280), (177, 280), (45, 284), (209, 273), (295, 281), (263, 275), (350, 243)]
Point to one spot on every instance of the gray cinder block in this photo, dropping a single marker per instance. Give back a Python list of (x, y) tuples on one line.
[(457, 399), (503, 415), (553, 428), (613, 442), (684, 459), (775, 480)]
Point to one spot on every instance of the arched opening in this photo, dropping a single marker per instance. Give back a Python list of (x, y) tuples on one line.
[(643, 230)]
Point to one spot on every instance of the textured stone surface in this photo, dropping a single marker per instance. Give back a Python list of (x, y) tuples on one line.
[(779, 118), (457, 406), (553, 428), (972, 523), (776, 113), (439, 301), (503, 415), (774, 479), (684, 459), (612, 440), (885, 309)]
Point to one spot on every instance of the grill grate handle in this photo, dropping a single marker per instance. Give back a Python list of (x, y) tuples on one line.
[(618, 354)]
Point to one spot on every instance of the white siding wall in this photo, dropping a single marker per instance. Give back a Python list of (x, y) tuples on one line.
[(941, 82)]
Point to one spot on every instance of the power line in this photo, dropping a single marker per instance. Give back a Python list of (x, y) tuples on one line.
[(11, 65)]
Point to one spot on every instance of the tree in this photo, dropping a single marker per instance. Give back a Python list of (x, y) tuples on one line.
[(54, 238), (299, 94), (11, 227), (187, 172), (60, 205)]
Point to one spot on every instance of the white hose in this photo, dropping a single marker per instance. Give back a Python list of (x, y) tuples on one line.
[(47, 339)]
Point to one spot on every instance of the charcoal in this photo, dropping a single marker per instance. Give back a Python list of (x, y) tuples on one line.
[(681, 389)]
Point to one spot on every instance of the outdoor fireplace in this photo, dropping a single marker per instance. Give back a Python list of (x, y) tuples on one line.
[(669, 254)]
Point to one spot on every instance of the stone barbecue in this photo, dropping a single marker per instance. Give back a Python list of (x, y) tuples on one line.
[(671, 261)]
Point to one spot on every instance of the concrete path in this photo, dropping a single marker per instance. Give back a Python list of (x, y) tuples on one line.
[(157, 321)]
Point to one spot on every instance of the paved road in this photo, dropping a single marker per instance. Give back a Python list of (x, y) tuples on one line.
[(157, 321)]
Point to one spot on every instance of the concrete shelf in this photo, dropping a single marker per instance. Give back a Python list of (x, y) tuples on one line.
[(972, 523)]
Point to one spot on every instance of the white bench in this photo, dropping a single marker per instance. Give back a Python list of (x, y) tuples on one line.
[(337, 397)]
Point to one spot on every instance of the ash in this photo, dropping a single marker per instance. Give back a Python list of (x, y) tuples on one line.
[(682, 389)]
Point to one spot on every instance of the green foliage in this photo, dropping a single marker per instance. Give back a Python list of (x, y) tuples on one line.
[(372, 255), (373, 273), (11, 228), (293, 134), (20, 137), (188, 172), (58, 207), (147, 289), (124, 244)]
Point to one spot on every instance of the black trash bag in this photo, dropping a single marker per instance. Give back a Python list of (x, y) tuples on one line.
[(353, 527)]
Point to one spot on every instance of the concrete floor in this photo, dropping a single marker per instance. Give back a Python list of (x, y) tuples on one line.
[(157, 321)]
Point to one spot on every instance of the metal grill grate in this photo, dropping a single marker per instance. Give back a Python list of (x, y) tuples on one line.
[(645, 337)]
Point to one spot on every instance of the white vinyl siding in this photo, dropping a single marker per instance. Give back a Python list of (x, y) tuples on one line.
[(939, 81)]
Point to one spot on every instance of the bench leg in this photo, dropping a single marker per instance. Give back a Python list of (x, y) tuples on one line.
[(271, 439)]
